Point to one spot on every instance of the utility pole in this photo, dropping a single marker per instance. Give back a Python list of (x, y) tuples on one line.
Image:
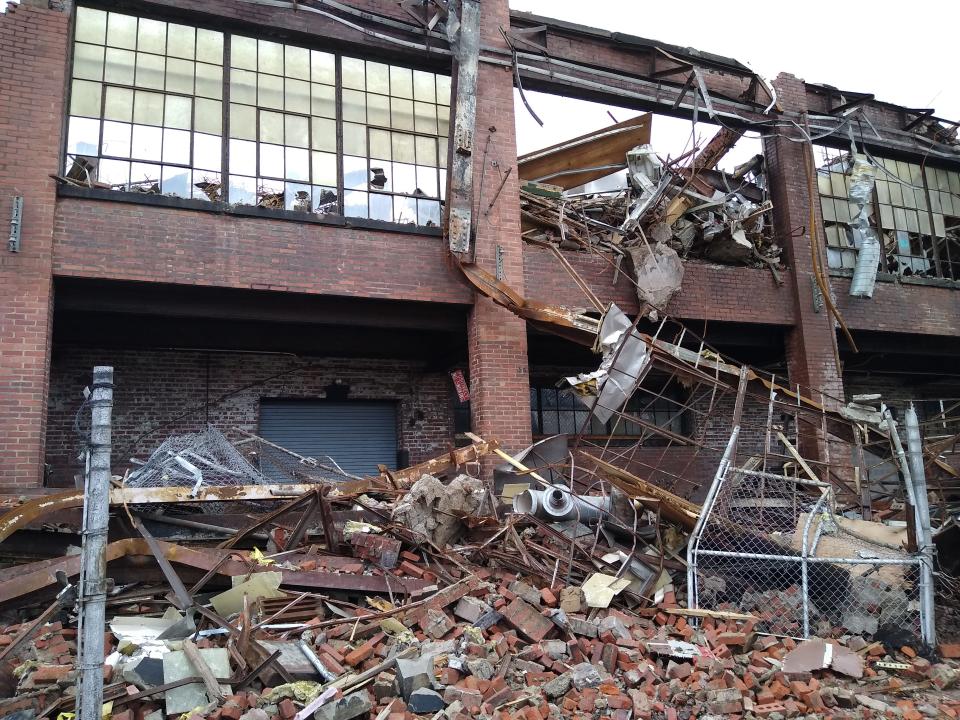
[(93, 561)]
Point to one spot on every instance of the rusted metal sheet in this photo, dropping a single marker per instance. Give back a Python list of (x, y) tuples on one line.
[(36, 576), (438, 465)]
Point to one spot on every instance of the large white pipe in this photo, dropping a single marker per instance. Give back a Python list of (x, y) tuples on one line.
[(557, 503)]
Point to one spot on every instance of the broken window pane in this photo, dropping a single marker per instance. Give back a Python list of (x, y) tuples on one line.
[(176, 181), (381, 207), (404, 178), (176, 146), (88, 62), (145, 177), (91, 25), (116, 139), (355, 204), (428, 213), (324, 168), (243, 158), (85, 98), (122, 31), (427, 181), (271, 160), (355, 173), (299, 197), (83, 136), (207, 186), (298, 164), (325, 200), (115, 173), (243, 190)]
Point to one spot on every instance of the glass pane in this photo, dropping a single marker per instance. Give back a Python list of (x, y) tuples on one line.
[(322, 67), (297, 131), (443, 89), (353, 73), (443, 121), (115, 173), (85, 98), (298, 197), (443, 184), (207, 186), (88, 62), (401, 114), (426, 151), (325, 200), (181, 41), (271, 160), (243, 122), (116, 139), (176, 146), (404, 178), (122, 31), (91, 25), (176, 181), (147, 143), (243, 158), (208, 116), (83, 137), (425, 118), (243, 53), (150, 71), (270, 193), (297, 63), (270, 58), (120, 66), (210, 46), (243, 87), (206, 151), (271, 127), (324, 101), (180, 76), (354, 106), (152, 36), (424, 86), (178, 112), (380, 173), (427, 181), (298, 164), (297, 96), (401, 82), (324, 168), (354, 139), (378, 78), (428, 213), (380, 144), (119, 104), (355, 173), (324, 134), (148, 108), (209, 81), (403, 148), (381, 207), (243, 190), (378, 110), (270, 91), (355, 204)]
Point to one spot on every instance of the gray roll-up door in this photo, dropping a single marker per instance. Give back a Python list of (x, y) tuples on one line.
[(358, 434)]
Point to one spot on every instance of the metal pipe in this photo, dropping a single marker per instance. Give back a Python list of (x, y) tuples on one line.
[(557, 504), (93, 563), (925, 539), (804, 570), (693, 543), (830, 560)]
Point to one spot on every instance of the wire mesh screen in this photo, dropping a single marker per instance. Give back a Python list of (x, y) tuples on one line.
[(773, 546)]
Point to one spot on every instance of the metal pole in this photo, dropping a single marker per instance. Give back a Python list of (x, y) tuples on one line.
[(804, 568), (925, 540), (93, 562)]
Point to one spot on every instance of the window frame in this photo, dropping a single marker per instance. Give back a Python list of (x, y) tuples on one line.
[(196, 198)]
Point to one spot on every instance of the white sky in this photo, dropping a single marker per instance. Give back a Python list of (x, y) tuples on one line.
[(901, 52)]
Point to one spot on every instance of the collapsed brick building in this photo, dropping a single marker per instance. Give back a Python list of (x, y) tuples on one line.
[(228, 253)]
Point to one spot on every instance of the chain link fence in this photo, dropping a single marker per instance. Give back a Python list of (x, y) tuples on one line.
[(772, 545)]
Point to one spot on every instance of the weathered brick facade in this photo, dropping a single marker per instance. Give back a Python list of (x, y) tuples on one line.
[(71, 236)]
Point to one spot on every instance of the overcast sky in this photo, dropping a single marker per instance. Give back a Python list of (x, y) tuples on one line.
[(901, 52)]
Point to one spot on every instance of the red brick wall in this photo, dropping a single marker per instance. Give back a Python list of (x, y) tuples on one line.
[(33, 48), (901, 307), (165, 391), (499, 382), (104, 239), (711, 292)]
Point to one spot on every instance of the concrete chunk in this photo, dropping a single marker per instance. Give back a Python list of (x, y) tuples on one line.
[(414, 674)]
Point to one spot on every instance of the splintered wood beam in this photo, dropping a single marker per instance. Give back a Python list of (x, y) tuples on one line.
[(465, 41)]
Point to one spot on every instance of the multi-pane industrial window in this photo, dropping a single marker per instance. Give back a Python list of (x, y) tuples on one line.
[(304, 129), (915, 211), (554, 411)]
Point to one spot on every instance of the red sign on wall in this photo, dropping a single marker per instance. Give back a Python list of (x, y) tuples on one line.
[(463, 391)]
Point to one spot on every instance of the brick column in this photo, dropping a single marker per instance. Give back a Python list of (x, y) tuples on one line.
[(810, 343), (33, 43), (499, 382)]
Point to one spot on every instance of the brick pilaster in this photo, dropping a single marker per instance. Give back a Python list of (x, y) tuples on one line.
[(499, 382), (33, 43)]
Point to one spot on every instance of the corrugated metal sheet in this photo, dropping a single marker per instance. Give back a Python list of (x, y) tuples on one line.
[(358, 434)]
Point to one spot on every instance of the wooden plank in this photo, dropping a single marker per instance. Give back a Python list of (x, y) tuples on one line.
[(598, 149)]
